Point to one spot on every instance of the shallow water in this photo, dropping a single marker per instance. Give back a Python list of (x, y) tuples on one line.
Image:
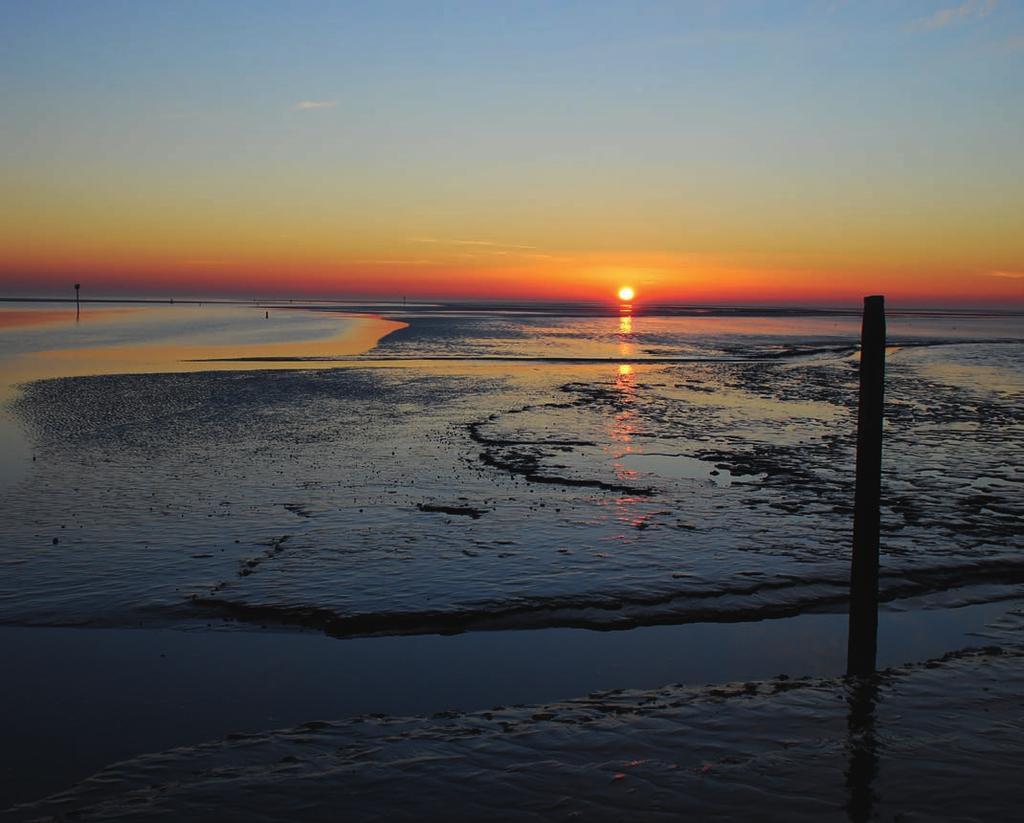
[(927, 742), (43, 342), (463, 469), (144, 690), (393, 500)]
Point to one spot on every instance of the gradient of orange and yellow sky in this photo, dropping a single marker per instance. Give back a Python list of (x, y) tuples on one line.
[(705, 152)]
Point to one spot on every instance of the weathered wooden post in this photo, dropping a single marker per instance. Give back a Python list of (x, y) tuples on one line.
[(78, 305), (863, 638)]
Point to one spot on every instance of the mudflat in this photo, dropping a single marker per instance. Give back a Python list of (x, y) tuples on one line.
[(507, 476)]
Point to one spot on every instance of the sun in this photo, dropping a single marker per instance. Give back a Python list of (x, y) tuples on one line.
[(626, 293)]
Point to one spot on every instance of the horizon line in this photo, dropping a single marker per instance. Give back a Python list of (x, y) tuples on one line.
[(638, 307)]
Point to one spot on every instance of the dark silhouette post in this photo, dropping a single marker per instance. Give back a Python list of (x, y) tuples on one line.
[(860, 655), (78, 305)]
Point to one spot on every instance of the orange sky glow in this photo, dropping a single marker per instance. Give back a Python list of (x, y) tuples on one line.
[(546, 154), (657, 278)]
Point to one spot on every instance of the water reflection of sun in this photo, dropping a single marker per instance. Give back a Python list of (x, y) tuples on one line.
[(625, 331), (623, 424), (624, 428)]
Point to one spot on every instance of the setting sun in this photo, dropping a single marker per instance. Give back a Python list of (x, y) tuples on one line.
[(626, 293)]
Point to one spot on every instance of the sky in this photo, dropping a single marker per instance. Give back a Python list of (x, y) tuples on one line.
[(737, 152)]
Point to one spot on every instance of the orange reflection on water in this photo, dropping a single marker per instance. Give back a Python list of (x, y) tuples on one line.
[(356, 335), (16, 318), (627, 348), (624, 423), (624, 429), (624, 426)]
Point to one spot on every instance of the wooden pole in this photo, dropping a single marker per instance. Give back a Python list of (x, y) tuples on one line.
[(863, 638), (78, 305)]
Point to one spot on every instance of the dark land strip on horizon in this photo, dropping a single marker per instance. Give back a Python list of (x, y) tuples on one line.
[(539, 308)]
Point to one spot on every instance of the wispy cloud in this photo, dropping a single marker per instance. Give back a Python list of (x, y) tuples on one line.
[(376, 261), (955, 15), (1010, 275), (487, 243), (313, 105), (556, 258)]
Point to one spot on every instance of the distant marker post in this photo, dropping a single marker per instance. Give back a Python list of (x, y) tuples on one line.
[(78, 305), (863, 636)]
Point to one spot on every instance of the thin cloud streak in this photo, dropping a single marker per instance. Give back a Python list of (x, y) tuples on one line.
[(313, 105), (1010, 275), (955, 15), (489, 243), (393, 262)]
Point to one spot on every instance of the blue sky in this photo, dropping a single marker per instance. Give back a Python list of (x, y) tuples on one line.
[(405, 119)]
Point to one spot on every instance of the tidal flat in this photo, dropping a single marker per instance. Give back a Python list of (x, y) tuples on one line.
[(406, 510)]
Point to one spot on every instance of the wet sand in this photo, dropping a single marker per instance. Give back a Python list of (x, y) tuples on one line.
[(676, 500), (95, 342)]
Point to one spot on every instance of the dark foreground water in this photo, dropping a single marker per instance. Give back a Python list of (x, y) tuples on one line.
[(681, 477), (141, 690)]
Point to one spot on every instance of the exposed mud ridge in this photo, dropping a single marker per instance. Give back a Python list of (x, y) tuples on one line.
[(787, 352), (247, 567), (478, 436), (250, 564), (775, 463), (523, 458), (298, 509), (760, 600), (463, 511), (929, 741)]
